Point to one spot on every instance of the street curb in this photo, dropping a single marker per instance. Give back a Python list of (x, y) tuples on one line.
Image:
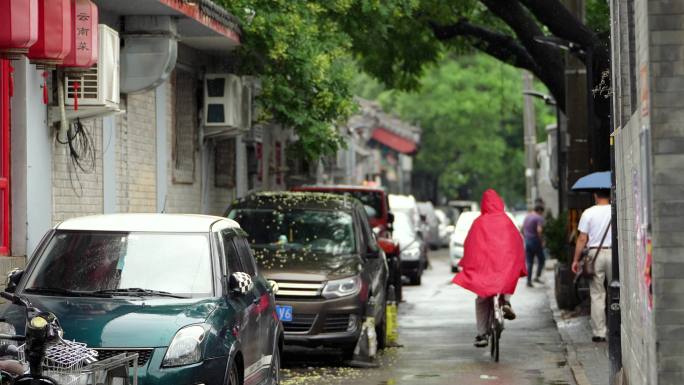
[(576, 368)]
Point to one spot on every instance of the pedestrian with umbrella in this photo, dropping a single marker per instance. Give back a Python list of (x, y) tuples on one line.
[(592, 256)]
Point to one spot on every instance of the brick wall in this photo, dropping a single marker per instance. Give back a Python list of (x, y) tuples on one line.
[(653, 351), (74, 191), (136, 155), (183, 196), (666, 52)]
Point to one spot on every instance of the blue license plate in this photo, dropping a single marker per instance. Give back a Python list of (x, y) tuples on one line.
[(284, 313)]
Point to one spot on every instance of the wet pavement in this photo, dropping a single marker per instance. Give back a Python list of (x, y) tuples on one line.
[(436, 329)]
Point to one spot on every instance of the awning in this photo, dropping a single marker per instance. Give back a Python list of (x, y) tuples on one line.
[(394, 141), (201, 23)]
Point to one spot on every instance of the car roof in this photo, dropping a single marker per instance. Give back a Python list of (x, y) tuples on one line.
[(180, 223), (338, 187), (294, 199), (402, 201)]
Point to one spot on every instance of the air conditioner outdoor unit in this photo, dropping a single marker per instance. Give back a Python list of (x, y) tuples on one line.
[(98, 86), (224, 112)]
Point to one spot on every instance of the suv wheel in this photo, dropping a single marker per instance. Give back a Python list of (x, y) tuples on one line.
[(234, 374), (416, 277), (348, 352), (381, 333)]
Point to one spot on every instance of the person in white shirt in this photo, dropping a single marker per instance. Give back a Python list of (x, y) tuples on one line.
[(594, 226)]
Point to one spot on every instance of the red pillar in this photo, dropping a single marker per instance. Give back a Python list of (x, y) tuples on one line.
[(5, 93)]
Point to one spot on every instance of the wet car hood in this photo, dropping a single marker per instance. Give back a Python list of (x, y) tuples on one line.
[(117, 322), (407, 242), (298, 266)]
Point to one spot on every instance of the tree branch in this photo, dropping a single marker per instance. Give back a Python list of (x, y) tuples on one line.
[(499, 45), (560, 21), (549, 59)]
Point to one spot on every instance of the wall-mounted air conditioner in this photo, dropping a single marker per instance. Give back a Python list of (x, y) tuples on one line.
[(98, 86), (223, 105)]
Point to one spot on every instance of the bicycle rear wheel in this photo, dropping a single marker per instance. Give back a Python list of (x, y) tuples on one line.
[(497, 345)]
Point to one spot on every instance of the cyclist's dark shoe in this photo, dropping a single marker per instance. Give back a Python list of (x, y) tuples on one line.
[(481, 341), (508, 312)]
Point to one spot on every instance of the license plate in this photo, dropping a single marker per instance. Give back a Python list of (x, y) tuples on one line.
[(284, 313)]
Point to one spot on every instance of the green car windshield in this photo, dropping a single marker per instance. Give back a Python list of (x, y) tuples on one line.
[(316, 231), (83, 261)]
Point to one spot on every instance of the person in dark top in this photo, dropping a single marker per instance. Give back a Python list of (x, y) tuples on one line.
[(533, 227)]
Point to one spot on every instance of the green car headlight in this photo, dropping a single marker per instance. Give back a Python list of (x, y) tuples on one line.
[(186, 347)]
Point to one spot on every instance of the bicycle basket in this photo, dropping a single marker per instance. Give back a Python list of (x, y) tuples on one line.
[(64, 360)]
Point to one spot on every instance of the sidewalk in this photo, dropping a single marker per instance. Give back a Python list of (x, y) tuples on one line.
[(588, 360)]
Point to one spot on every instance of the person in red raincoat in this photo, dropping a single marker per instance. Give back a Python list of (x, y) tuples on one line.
[(493, 261)]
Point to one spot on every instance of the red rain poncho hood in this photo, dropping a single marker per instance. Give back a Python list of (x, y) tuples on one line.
[(494, 255)]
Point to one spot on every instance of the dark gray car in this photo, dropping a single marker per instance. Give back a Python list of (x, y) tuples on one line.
[(321, 252)]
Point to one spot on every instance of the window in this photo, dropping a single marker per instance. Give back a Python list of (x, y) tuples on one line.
[(246, 257), (230, 252), (185, 126), (224, 163), (87, 261), (308, 231), (369, 239)]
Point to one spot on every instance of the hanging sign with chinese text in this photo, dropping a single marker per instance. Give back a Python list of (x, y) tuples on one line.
[(84, 50)]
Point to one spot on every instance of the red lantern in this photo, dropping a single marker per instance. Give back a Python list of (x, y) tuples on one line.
[(54, 33), (84, 21), (18, 27)]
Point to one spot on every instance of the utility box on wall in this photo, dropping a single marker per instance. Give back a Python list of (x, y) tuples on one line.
[(98, 86), (227, 109)]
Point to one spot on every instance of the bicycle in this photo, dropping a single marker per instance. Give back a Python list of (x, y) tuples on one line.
[(496, 327), (51, 360)]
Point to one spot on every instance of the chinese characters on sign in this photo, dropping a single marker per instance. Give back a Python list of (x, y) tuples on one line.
[(82, 31)]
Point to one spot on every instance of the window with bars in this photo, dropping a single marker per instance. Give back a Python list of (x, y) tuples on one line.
[(185, 126), (224, 163)]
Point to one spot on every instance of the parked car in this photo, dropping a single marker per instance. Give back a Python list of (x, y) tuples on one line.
[(463, 224), (406, 204), (519, 218), (374, 198), (321, 252), (445, 228), (376, 204), (181, 291), (463, 206), (413, 248), (430, 224)]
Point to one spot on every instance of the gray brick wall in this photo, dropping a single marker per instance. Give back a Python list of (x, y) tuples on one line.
[(75, 192), (651, 338)]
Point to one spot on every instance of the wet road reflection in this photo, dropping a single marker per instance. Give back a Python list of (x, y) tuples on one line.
[(436, 329)]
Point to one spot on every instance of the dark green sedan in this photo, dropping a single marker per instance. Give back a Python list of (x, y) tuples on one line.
[(181, 291)]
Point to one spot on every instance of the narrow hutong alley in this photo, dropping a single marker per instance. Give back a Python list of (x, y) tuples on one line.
[(342, 192), (437, 327)]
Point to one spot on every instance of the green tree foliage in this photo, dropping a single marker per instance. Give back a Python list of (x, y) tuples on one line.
[(470, 110), (303, 55), (302, 49), (303, 61)]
